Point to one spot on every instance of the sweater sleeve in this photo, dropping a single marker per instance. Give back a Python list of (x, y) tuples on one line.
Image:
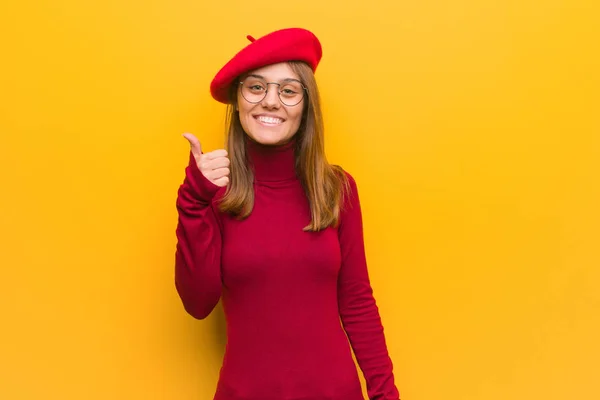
[(198, 251), (357, 306)]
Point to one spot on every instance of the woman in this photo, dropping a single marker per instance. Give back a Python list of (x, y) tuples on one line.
[(275, 231)]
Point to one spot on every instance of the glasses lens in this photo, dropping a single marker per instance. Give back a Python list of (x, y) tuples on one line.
[(291, 93), (254, 90)]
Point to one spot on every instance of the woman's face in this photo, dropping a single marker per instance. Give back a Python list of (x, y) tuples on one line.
[(269, 121)]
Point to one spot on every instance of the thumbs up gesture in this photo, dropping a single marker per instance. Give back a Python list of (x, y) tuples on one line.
[(214, 165)]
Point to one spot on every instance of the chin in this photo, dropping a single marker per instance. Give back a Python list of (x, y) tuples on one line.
[(269, 138)]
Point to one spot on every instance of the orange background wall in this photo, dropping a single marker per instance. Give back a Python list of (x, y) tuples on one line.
[(472, 128)]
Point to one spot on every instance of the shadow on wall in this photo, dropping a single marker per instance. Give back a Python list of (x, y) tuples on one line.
[(214, 330), (197, 342), (219, 327)]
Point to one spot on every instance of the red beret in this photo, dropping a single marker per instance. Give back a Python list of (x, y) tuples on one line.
[(292, 44)]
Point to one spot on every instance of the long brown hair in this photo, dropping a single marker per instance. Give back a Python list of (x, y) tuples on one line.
[(324, 184)]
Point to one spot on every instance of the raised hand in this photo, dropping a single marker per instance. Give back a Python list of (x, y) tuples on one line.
[(213, 165)]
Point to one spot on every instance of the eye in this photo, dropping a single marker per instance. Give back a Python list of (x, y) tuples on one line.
[(291, 89)]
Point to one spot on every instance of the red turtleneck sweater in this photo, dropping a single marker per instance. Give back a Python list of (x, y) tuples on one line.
[(294, 301)]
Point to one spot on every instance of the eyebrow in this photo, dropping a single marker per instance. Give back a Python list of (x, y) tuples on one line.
[(262, 77)]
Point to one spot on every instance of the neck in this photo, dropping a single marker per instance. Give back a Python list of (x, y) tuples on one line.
[(272, 163)]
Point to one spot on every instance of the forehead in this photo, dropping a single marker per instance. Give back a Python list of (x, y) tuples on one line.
[(274, 72)]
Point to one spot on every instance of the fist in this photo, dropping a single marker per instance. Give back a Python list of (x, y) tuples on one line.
[(214, 165)]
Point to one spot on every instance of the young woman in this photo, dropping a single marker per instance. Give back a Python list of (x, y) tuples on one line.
[(275, 231)]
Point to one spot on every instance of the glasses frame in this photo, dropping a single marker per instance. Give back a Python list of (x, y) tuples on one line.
[(304, 93)]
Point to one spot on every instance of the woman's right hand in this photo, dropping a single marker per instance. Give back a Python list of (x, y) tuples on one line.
[(214, 165)]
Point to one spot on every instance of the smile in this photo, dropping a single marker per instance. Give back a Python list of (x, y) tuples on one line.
[(269, 121)]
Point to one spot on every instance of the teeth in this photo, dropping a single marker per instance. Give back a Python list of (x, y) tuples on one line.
[(269, 120)]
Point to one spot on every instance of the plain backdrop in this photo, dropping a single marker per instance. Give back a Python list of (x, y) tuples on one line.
[(472, 129)]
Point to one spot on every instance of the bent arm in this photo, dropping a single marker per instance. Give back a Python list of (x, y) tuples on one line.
[(198, 252)]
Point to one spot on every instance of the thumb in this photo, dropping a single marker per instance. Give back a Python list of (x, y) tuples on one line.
[(195, 145)]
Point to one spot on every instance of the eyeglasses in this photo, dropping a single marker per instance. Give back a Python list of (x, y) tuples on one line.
[(290, 91)]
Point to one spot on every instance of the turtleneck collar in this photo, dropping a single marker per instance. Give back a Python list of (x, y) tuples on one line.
[(272, 163)]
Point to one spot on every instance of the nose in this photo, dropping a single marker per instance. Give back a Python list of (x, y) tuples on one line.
[(271, 100)]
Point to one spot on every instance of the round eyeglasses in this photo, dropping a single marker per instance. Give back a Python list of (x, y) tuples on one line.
[(290, 91)]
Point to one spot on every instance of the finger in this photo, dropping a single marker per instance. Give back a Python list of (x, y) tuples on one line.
[(221, 181), (195, 145), (220, 162), (217, 173), (216, 154)]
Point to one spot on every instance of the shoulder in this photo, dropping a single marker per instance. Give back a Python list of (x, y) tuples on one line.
[(344, 176), (350, 213), (348, 187)]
